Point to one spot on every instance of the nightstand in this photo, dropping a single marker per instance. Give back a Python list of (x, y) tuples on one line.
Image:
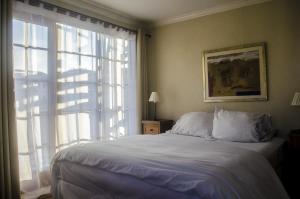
[(291, 173), (294, 140), (155, 127)]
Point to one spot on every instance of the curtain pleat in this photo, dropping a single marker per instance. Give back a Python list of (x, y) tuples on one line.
[(142, 59), (8, 142)]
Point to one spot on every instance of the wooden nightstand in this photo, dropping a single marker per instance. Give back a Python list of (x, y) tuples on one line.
[(157, 126), (291, 171)]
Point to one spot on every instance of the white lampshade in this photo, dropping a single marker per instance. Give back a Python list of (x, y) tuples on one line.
[(154, 97), (296, 99)]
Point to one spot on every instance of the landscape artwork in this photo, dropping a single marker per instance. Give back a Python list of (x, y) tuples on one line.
[(235, 74)]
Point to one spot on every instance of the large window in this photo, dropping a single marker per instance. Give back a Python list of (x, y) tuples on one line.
[(72, 85)]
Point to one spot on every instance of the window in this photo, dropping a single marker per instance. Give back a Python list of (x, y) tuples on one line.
[(77, 85), (31, 91), (72, 85), (91, 82)]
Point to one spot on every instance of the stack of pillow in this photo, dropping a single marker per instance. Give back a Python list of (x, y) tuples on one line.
[(226, 125)]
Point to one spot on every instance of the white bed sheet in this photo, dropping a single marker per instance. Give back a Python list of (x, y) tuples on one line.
[(164, 166), (271, 150), (264, 148)]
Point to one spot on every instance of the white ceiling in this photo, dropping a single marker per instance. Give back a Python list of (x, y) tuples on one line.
[(154, 10), (161, 12)]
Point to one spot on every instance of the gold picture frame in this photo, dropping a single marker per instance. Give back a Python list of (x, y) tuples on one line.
[(235, 74)]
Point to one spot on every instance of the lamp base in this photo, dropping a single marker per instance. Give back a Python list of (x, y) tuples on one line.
[(154, 112)]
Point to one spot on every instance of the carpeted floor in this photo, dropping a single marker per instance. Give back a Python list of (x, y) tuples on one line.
[(43, 193)]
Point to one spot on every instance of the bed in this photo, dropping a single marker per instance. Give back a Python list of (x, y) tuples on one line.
[(168, 166)]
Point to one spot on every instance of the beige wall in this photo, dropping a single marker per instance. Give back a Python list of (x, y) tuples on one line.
[(175, 68)]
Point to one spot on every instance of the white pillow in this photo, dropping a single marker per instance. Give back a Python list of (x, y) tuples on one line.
[(241, 126), (195, 124)]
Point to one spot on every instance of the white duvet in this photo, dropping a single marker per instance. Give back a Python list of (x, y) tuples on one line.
[(164, 166)]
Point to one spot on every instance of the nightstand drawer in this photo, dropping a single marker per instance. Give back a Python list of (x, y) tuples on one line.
[(154, 127), (151, 129)]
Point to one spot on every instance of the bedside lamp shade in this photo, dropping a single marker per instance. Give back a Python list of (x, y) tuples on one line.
[(154, 97), (296, 99)]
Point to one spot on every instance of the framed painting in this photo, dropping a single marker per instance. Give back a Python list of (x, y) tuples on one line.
[(235, 74)]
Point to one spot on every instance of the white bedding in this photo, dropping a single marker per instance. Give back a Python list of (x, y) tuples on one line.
[(264, 148), (271, 150), (164, 166)]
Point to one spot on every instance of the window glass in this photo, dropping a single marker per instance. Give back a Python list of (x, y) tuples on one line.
[(30, 59)]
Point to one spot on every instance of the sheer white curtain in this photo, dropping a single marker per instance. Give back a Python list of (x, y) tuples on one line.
[(74, 82)]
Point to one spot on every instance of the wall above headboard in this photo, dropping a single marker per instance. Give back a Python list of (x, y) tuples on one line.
[(175, 54)]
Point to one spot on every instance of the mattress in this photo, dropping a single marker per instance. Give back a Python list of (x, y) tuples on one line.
[(165, 166)]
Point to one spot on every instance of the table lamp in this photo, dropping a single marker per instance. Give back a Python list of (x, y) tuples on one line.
[(296, 99), (154, 98)]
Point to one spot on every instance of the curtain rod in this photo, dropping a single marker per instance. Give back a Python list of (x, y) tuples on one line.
[(74, 14)]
